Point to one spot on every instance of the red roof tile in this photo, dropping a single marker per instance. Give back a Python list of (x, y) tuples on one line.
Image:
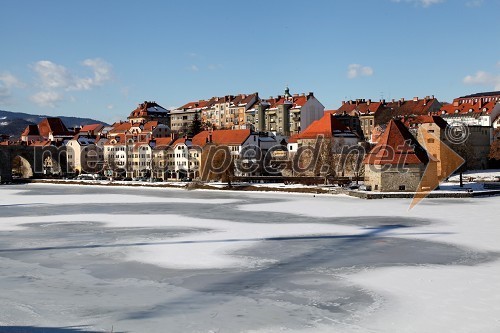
[(353, 107), (54, 126), (411, 107), (465, 108), (327, 126), (221, 137), (121, 128), (30, 130), (293, 138), (147, 109), (150, 125), (397, 147), (163, 142), (92, 128), (412, 121)]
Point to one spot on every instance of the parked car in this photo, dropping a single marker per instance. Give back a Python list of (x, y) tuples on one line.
[(85, 177), (127, 179), (186, 179)]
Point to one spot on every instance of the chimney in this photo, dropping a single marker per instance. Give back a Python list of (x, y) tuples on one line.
[(310, 95), (343, 102), (415, 99), (480, 101), (369, 102)]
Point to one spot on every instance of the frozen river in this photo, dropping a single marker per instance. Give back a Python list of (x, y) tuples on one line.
[(102, 259)]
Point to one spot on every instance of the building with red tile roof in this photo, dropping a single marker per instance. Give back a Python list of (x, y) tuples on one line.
[(91, 129), (182, 117), (238, 116), (397, 162), (148, 111), (335, 134), (477, 112), (288, 114), (222, 137), (30, 133), (51, 129), (120, 128), (372, 114)]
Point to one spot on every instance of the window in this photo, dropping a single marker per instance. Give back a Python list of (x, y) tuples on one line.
[(430, 140), (402, 187)]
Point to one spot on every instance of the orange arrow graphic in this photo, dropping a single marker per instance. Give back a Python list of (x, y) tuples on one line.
[(438, 169)]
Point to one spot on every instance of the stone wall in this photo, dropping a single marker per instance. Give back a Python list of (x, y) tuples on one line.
[(394, 178)]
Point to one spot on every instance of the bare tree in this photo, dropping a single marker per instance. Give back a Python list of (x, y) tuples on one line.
[(467, 153), (217, 164), (495, 146)]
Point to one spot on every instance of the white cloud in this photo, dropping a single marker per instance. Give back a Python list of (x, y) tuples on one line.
[(51, 75), (5, 95), (7, 82), (194, 68), (110, 107), (53, 79), (214, 67), (484, 79), (423, 3), (102, 71), (47, 98), (357, 70), (474, 3)]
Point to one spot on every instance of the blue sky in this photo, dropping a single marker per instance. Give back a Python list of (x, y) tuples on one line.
[(101, 58)]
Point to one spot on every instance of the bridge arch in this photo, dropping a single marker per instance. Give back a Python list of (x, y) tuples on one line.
[(31, 161)]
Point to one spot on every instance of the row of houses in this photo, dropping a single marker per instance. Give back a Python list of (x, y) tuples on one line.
[(153, 142), (285, 114)]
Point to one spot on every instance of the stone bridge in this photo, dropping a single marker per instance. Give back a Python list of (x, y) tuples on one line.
[(32, 161)]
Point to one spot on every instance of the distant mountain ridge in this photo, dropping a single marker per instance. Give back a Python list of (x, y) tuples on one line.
[(13, 123)]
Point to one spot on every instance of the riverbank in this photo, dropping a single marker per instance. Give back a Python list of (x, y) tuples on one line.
[(446, 190)]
